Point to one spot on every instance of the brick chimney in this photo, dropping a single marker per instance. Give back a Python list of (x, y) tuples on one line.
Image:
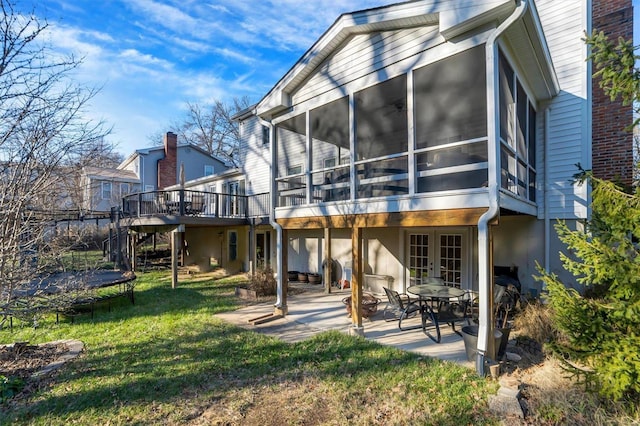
[(612, 155), (167, 174)]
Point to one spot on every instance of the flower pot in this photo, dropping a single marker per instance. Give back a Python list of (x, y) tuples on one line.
[(303, 277), (292, 275), (470, 338), (314, 278)]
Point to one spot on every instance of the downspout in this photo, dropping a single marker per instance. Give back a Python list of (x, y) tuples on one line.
[(485, 286), (272, 212), (547, 220)]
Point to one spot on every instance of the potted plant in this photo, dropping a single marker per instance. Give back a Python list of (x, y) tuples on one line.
[(314, 278)]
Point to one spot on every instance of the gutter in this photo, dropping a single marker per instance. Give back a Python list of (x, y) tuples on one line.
[(486, 347), (272, 217)]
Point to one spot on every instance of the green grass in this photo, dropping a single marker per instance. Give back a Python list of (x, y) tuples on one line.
[(84, 259), (168, 360)]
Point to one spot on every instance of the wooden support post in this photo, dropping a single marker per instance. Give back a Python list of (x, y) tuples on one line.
[(328, 269), (134, 262), (285, 268), (356, 281), (253, 257), (282, 278), (176, 241)]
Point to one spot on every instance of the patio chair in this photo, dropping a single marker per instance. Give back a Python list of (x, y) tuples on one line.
[(455, 311), (400, 307)]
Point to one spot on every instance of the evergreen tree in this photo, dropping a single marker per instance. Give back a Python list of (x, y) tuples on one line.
[(600, 340), (601, 326)]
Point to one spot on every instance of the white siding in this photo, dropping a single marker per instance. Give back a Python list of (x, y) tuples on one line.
[(365, 54), (255, 157), (564, 23)]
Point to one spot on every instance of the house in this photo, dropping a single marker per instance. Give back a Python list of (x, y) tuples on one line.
[(416, 140), (219, 218), (159, 166), (103, 188), (147, 169), (439, 138)]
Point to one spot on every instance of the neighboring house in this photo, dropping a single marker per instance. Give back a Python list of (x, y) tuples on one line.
[(147, 169), (159, 166), (103, 188), (433, 138), (221, 217)]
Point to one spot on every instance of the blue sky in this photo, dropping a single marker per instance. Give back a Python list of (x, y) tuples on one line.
[(150, 57)]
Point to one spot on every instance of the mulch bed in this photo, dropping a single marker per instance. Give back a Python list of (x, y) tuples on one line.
[(22, 360)]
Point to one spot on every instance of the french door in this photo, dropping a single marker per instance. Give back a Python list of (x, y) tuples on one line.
[(438, 253)]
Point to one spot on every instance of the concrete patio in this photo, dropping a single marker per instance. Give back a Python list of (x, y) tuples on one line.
[(312, 311)]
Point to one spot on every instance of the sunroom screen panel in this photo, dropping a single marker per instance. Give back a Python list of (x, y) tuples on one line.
[(381, 119), (450, 99)]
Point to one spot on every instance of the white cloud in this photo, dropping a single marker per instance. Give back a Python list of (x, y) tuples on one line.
[(76, 40), (144, 59), (169, 16), (236, 55)]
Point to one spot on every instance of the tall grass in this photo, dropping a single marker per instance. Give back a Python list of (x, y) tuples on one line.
[(168, 360)]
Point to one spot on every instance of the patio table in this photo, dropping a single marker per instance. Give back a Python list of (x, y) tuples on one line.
[(438, 294), (435, 292)]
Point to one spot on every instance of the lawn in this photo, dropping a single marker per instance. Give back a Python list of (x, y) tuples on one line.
[(168, 360)]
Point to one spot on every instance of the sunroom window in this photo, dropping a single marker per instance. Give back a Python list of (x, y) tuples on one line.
[(381, 139), (329, 142), (451, 123), (292, 151), (517, 135)]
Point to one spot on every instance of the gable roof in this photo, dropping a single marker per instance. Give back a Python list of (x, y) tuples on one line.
[(149, 150), (454, 18), (104, 173)]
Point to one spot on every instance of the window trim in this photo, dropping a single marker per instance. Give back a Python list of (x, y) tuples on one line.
[(103, 189)]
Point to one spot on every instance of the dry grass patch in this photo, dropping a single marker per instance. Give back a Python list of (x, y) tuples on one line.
[(288, 402)]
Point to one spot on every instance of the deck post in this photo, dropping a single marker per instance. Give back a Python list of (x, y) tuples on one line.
[(253, 258), (134, 263), (328, 264), (176, 239), (282, 309), (356, 282)]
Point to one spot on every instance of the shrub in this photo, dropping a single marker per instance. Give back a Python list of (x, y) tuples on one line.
[(263, 282), (9, 387)]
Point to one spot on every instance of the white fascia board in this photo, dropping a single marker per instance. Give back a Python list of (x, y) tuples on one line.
[(532, 21), (463, 16)]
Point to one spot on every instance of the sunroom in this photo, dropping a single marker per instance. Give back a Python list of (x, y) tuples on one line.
[(409, 117)]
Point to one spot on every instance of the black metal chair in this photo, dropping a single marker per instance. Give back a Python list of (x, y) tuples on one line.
[(454, 311), (400, 307)]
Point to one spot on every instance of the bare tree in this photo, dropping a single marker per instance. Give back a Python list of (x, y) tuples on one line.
[(210, 127), (42, 134)]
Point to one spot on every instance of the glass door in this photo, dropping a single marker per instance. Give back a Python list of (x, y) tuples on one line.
[(263, 249), (437, 253)]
